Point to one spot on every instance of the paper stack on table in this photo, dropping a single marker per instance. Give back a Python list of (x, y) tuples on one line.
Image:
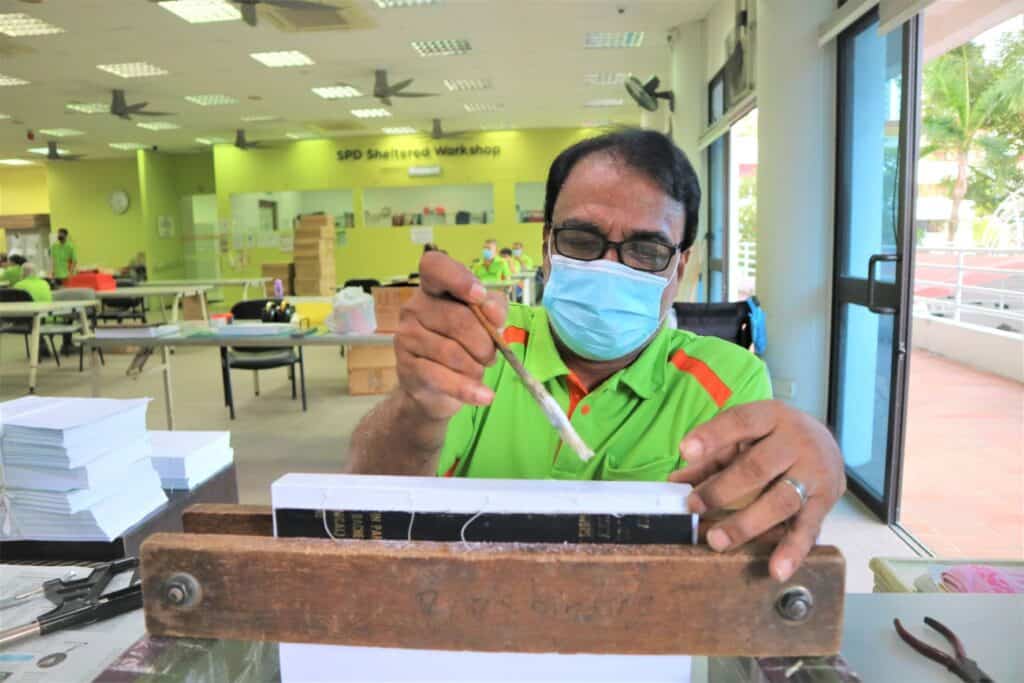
[(76, 469), (185, 460)]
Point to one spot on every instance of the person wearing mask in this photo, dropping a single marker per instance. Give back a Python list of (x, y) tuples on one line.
[(65, 259), (491, 267), (514, 266), (525, 261), (654, 402), (12, 273), (36, 286)]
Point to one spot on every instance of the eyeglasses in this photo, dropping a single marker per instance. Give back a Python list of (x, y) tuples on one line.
[(639, 253)]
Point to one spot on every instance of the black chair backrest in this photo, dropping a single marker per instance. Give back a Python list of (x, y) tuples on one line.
[(9, 295), (366, 285), (730, 321), (251, 309)]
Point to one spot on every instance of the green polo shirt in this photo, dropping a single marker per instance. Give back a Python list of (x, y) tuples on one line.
[(63, 256), (633, 421), (525, 261), (37, 287), (11, 274), (495, 271)]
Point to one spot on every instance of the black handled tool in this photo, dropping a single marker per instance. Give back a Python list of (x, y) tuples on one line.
[(963, 666)]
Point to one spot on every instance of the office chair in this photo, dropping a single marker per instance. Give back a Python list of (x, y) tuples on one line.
[(78, 294), (257, 359), (23, 326), (740, 322), (123, 308), (366, 285)]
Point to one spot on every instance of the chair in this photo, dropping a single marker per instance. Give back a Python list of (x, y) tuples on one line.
[(78, 294), (740, 322), (257, 359), (23, 326), (123, 308), (367, 285)]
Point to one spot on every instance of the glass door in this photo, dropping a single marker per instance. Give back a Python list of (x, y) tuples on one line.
[(718, 196), (876, 148)]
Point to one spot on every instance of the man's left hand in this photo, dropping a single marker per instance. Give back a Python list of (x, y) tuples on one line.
[(752, 448)]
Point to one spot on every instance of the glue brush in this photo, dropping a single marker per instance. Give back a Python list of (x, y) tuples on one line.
[(548, 405)]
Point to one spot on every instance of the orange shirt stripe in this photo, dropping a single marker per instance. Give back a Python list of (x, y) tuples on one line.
[(712, 383), (515, 335)]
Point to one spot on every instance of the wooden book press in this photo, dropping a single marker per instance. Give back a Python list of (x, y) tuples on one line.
[(227, 577)]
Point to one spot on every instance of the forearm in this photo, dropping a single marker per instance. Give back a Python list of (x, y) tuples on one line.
[(396, 437)]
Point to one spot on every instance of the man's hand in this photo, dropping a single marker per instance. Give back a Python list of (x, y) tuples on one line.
[(749, 449), (441, 347)]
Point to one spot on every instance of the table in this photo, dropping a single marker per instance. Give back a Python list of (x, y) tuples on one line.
[(161, 291), (243, 282), (37, 311), (204, 336), (526, 279)]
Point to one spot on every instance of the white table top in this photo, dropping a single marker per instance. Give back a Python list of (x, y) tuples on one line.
[(32, 307), (151, 290), (200, 337), (212, 282)]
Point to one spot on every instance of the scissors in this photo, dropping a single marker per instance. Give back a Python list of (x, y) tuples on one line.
[(962, 666)]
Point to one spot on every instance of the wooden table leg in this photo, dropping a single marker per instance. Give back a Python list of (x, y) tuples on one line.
[(165, 358), (33, 352)]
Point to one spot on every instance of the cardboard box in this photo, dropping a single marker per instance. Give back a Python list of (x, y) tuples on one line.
[(307, 231), (191, 307), (367, 381), (318, 220), (285, 272), (314, 287), (387, 305), (361, 356)]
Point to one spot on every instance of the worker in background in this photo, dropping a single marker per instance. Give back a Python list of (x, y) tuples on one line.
[(3, 264), (491, 267), (654, 402), (514, 266), (65, 260), (525, 261), (12, 273), (31, 282)]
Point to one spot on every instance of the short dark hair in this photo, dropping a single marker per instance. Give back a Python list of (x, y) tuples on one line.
[(63, 230), (505, 252), (650, 152), (17, 259)]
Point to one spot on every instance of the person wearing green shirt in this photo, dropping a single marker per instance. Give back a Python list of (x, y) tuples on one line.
[(525, 261), (653, 403), (12, 273), (490, 267), (37, 287), (65, 260)]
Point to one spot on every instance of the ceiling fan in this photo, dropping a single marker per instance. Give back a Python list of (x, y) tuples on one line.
[(647, 95), (438, 133), (53, 153), (243, 144), (120, 108), (384, 91)]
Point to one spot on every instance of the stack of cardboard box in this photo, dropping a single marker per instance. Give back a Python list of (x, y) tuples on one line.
[(387, 305), (314, 256), (371, 369), (285, 272)]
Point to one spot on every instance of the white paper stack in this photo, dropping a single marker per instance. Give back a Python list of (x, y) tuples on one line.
[(136, 332), (185, 460), (75, 469)]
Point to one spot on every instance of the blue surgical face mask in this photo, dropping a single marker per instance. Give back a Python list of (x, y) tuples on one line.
[(517, 252), (488, 254), (602, 309)]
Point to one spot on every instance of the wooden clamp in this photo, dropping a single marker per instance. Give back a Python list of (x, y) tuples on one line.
[(233, 581)]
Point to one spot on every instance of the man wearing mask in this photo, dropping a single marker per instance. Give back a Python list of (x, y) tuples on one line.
[(653, 402), (490, 267), (525, 261), (65, 260)]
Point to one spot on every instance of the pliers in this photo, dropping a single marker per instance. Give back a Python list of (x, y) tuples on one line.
[(965, 668)]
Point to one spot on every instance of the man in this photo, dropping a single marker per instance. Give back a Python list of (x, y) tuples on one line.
[(653, 402), (37, 287), (525, 261), (514, 267), (491, 268), (65, 260), (12, 273)]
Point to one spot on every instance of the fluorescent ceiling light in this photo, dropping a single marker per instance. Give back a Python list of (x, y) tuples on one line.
[(4, 117), (46, 150), (132, 69), (605, 78), (300, 135), (370, 113), (480, 107), (495, 126), (401, 130), (462, 84), (88, 107), (127, 146), (211, 140), (605, 102), (60, 132), (400, 4), (18, 25), (260, 118), (283, 58), (11, 80), (441, 48), (17, 162), (158, 125), (617, 39), (334, 92), (202, 11), (211, 100)]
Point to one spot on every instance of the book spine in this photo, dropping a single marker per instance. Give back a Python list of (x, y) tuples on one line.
[(486, 527)]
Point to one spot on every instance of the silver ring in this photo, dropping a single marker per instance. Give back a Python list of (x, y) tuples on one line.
[(800, 489)]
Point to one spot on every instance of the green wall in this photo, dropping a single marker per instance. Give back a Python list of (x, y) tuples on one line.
[(164, 256), (22, 190)]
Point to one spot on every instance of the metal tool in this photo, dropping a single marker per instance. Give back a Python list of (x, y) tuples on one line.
[(79, 602), (962, 666), (544, 399)]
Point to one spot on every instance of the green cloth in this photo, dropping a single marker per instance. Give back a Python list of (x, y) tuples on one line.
[(495, 271), (37, 287), (63, 256), (526, 262), (11, 274), (634, 421)]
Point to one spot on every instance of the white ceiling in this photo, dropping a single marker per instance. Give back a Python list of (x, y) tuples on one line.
[(532, 51)]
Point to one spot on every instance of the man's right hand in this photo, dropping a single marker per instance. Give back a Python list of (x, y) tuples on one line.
[(441, 347)]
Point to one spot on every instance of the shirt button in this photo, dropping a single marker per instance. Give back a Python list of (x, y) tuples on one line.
[(585, 410)]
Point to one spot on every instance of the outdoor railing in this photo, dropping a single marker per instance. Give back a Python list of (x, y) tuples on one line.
[(981, 286)]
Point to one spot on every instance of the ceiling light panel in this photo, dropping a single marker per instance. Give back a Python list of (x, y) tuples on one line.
[(334, 92), (158, 125), (4, 117), (18, 25), (481, 107), (17, 162), (260, 118), (132, 69), (401, 130), (300, 135), (402, 4), (611, 40), (495, 126), (277, 60), (46, 150), (211, 100), (464, 84), (604, 102), (605, 78), (202, 11), (371, 113), (11, 80), (441, 48), (211, 141), (61, 132), (127, 146), (88, 107)]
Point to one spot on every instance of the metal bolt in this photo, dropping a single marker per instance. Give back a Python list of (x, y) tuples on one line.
[(795, 604), (181, 590)]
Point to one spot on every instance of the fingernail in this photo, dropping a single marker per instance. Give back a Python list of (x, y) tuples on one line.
[(696, 505), (483, 396), (718, 540), (783, 570), (477, 293), (691, 448)]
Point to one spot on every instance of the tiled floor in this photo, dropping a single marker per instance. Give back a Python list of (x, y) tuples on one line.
[(963, 468)]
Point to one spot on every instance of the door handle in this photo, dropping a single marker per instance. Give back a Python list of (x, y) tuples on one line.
[(872, 262)]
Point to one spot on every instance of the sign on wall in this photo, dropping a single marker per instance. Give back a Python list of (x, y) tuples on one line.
[(425, 153)]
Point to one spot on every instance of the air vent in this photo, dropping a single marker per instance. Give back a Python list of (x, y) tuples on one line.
[(335, 16)]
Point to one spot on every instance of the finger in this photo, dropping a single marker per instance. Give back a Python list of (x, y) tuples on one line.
[(427, 379), (701, 469), (452, 320), (799, 540), (496, 308), (742, 423), (749, 472), (423, 343), (441, 276), (776, 505)]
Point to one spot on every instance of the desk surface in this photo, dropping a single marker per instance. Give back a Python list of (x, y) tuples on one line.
[(211, 282), (32, 307), (150, 290), (207, 337)]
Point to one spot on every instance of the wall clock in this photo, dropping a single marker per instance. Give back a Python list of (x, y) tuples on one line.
[(118, 201)]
